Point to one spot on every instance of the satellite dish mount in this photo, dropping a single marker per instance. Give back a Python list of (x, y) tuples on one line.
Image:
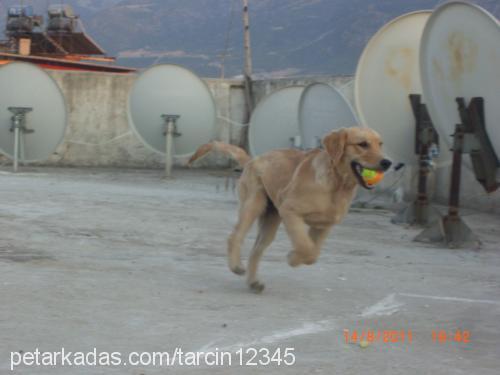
[(170, 132), (18, 126), (471, 138), (420, 212)]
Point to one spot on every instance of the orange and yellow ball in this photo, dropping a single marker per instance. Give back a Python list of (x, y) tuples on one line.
[(372, 177)]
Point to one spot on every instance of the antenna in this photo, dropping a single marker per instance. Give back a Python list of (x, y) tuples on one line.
[(32, 113), (458, 70), (172, 111), (274, 123), (322, 108)]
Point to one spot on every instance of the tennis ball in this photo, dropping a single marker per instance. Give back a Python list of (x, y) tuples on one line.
[(364, 344), (372, 177)]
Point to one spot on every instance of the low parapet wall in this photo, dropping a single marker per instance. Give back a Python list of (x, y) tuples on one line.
[(99, 135)]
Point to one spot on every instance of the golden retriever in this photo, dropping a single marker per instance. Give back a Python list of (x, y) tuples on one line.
[(309, 191)]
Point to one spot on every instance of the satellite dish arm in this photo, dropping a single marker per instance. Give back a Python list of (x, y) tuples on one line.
[(477, 143)]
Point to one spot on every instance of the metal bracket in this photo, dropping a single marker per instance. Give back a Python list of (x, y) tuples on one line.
[(420, 212), (18, 119), (470, 143), (485, 161), (18, 127), (469, 138), (171, 119)]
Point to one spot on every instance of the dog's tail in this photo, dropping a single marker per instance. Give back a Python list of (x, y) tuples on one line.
[(234, 152)]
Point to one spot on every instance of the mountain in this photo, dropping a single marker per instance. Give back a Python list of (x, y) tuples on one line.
[(289, 37)]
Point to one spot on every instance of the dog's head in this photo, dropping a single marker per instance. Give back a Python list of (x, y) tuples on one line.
[(356, 148)]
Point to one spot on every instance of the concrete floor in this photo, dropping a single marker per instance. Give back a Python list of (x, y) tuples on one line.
[(123, 261)]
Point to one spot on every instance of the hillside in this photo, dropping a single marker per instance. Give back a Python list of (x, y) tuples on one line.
[(289, 37)]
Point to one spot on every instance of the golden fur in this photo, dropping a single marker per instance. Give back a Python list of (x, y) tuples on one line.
[(309, 191)]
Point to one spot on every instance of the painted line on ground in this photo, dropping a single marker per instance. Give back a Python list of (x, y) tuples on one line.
[(308, 328), (386, 306), (453, 299)]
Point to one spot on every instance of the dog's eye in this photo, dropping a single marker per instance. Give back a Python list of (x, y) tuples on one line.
[(364, 144)]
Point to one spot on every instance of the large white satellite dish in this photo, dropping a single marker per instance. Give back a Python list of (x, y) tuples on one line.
[(459, 61), (460, 57), (274, 123), (172, 90), (32, 113), (387, 72), (172, 111), (322, 108)]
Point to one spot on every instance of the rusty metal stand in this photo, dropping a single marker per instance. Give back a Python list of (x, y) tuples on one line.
[(420, 212), (470, 137)]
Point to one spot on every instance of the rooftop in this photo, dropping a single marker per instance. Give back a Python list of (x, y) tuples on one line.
[(126, 261)]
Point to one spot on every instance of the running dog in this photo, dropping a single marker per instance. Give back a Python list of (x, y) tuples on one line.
[(309, 191)]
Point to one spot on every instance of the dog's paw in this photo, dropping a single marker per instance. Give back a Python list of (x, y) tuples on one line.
[(294, 259), (238, 270), (257, 287)]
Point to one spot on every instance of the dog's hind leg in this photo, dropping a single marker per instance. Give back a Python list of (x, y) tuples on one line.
[(251, 208), (269, 223)]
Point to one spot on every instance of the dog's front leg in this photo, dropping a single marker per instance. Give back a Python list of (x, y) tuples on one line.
[(304, 250), (319, 235)]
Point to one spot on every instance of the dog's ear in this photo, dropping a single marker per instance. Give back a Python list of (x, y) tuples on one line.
[(334, 144)]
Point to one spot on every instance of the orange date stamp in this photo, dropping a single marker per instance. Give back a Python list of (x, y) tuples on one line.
[(443, 336), (393, 336), (372, 336)]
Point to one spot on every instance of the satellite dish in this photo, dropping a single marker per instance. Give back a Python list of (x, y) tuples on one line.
[(32, 113), (459, 64), (274, 123), (171, 90), (322, 108), (460, 57), (387, 72)]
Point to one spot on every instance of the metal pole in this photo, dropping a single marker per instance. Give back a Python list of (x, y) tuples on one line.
[(456, 170), (421, 213), (19, 128), (16, 147), (248, 60), (169, 133), (248, 51)]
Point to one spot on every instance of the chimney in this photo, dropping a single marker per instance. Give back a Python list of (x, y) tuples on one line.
[(25, 46)]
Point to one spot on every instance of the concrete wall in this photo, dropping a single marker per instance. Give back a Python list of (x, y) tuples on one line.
[(98, 133)]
